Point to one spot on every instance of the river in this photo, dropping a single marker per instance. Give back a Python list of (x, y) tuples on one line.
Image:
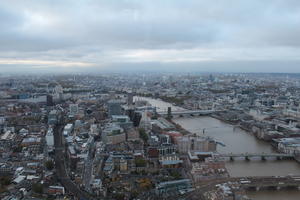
[(159, 104), (239, 141)]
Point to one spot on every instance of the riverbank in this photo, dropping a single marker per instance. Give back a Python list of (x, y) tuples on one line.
[(241, 126), (222, 119), (180, 129), (237, 140)]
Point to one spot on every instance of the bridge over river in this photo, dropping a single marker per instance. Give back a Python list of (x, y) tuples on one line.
[(270, 183), (187, 112), (263, 156), (246, 183)]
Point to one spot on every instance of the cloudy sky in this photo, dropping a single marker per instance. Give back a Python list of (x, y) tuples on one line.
[(171, 35)]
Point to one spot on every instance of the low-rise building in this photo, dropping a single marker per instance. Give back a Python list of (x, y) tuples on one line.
[(192, 143), (173, 187), (113, 134), (288, 145), (68, 129), (31, 141), (56, 190), (50, 138)]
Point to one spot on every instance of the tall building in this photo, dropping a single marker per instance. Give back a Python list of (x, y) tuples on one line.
[(137, 116), (50, 100), (130, 99), (169, 113), (145, 121), (114, 108), (52, 117), (59, 92), (2, 120)]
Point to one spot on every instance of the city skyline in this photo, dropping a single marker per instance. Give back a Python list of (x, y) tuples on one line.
[(189, 36)]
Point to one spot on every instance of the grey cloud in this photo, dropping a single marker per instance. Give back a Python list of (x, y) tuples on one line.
[(147, 23), (90, 30)]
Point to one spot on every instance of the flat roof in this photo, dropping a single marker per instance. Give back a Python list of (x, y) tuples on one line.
[(162, 184), (19, 179)]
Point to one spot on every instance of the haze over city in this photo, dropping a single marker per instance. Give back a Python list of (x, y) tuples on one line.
[(145, 35), (150, 99)]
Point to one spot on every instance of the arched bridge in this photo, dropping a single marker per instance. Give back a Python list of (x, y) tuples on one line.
[(188, 112), (247, 156)]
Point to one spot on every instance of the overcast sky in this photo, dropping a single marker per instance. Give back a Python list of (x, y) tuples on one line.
[(172, 35)]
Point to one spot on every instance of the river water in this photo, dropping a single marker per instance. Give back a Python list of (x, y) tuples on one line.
[(239, 141), (160, 105)]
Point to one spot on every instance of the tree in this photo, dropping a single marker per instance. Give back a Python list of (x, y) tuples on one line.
[(18, 149), (175, 174), (134, 194), (37, 188), (145, 183), (143, 134), (119, 196), (5, 180), (140, 162), (49, 164)]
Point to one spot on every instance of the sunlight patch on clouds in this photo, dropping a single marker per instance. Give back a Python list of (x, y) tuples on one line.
[(35, 20), (45, 63), (208, 54), (166, 55)]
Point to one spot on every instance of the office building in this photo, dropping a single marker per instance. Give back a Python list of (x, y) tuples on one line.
[(194, 143), (49, 100), (113, 134), (114, 108), (129, 99)]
